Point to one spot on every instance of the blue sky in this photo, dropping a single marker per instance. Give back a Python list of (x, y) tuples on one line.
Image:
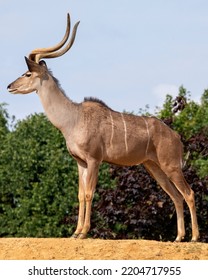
[(127, 53)]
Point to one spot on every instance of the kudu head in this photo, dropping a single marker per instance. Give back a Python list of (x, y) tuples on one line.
[(37, 69)]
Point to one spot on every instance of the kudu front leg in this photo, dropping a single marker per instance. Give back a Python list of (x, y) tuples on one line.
[(81, 198), (87, 183)]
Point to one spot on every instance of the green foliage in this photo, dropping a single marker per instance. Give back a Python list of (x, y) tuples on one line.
[(166, 111), (196, 123), (3, 122), (193, 117), (202, 166), (36, 192), (190, 121)]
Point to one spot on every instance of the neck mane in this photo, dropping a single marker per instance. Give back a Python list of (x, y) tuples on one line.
[(58, 84)]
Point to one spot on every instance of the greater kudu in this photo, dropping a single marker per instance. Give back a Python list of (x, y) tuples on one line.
[(94, 133)]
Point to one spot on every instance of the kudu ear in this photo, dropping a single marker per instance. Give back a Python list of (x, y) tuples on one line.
[(40, 67)]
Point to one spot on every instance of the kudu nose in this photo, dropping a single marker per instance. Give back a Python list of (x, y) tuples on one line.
[(9, 88)]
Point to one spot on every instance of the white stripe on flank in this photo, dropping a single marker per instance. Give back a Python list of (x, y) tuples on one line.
[(148, 134), (125, 130), (112, 129)]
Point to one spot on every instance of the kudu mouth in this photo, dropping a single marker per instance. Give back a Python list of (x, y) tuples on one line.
[(12, 90), (15, 90)]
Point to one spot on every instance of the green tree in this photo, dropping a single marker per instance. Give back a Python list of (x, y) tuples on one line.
[(4, 117), (189, 121), (36, 190)]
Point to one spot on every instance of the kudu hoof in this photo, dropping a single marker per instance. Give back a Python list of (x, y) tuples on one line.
[(78, 236), (74, 236), (194, 240), (82, 236), (179, 239)]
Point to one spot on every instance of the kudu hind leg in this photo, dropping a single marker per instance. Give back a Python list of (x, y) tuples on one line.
[(176, 176), (156, 172)]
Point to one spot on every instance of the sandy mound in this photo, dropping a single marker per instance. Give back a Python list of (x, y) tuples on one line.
[(97, 249)]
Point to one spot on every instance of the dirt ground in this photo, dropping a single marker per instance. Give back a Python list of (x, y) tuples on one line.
[(97, 249)]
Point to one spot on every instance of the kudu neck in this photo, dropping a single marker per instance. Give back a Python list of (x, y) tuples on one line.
[(60, 110)]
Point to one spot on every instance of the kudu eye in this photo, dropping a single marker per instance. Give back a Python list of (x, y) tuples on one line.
[(28, 74)]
